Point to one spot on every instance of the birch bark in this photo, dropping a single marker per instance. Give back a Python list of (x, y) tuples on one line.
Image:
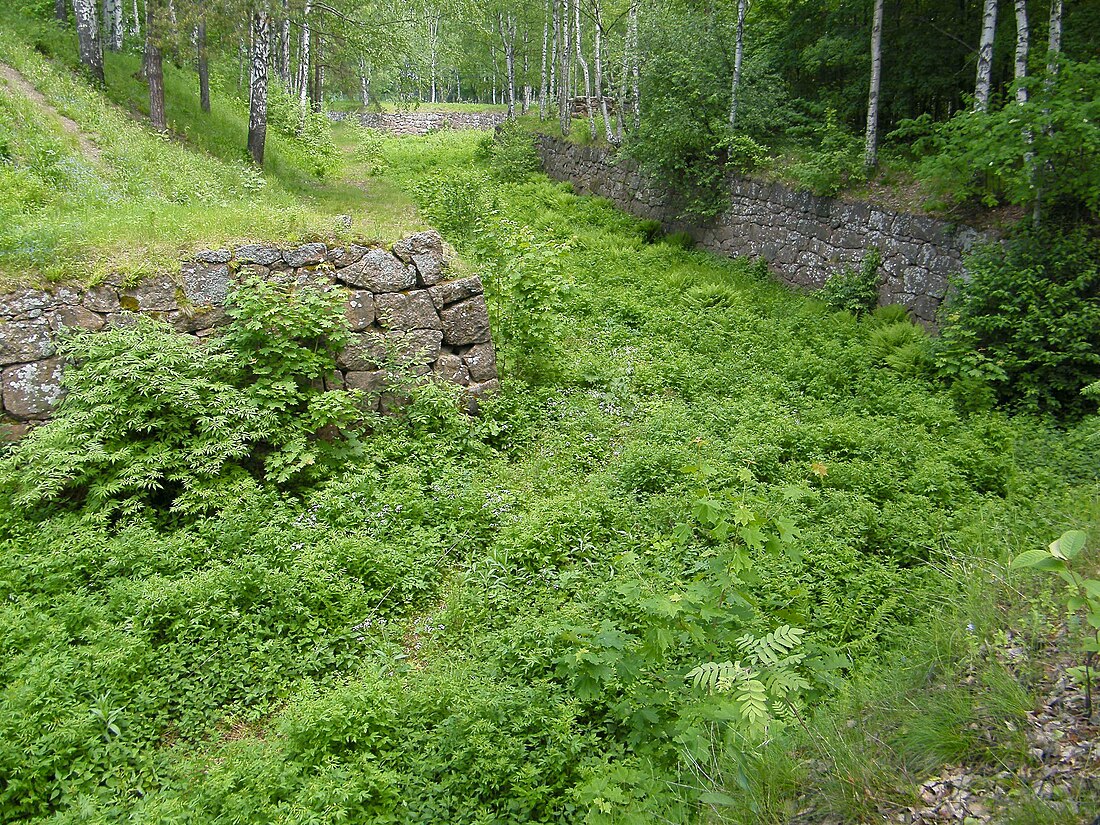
[(985, 56), (584, 69), (544, 87), (88, 42), (738, 58), (609, 133), (870, 154), (257, 86)]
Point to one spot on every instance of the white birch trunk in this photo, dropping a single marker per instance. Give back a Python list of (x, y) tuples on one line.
[(564, 115), (87, 34), (636, 71), (738, 58), (985, 56), (135, 23), (544, 87), (112, 24), (257, 87), (554, 60), (870, 154), (526, 71), (1054, 45), (609, 133), (303, 60), (584, 68), (1023, 43)]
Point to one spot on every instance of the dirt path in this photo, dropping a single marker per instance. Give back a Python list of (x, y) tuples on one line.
[(17, 82)]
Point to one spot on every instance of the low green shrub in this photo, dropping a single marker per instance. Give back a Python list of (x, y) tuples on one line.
[(1026, 321), (854, 291), (510, 153)]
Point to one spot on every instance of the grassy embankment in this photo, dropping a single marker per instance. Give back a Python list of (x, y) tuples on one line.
[(491, 620), (141, 200)]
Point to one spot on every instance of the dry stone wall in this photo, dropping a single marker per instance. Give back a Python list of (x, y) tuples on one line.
[(401, 303), (804, 238), (422, 123)]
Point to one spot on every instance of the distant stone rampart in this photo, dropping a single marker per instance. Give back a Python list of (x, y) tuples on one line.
[(417, 123), (400, 303), (803, 238)]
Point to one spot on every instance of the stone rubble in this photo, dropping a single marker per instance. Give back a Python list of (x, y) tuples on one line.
[(402, 310)]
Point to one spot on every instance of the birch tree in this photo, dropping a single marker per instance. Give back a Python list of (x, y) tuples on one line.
[(302, 82), (88, 41), (544, 87), (154, 69), (1022, 48), (257, 86), (564, 50), (738, 58), (870, 154), (584, 70), (985, 56), (609, 134), (112, 24)]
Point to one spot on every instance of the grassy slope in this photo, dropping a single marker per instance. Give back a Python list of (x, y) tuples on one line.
[(149, 199), (389, 646)]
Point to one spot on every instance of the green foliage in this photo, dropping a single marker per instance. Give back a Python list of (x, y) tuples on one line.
[(902, 346), (854, 291), (510, 153), (1026, 321), (1043, 149), (154, 417), (835, 162), (1083, 595)]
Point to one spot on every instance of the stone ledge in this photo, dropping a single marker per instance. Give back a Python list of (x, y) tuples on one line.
[(400, 305)]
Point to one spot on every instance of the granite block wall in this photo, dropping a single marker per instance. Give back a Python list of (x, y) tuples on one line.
[(421, 123), (400, 302), (804, 238)]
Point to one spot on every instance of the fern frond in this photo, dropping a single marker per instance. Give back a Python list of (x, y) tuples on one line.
[(767, 650)]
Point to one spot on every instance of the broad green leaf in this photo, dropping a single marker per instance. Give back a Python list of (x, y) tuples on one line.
[(1029, 558), (1069, 544)]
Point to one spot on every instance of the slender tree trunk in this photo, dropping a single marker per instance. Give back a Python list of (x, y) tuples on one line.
[(554, 58), (1054, 44), (636, 70), (112, 24), (154, 71), (544, 87), (564, 115), (135, 27), (526, 71), (507, 28), (303, 59), (317, 89), (609, 133), (202, 61), (433, 46), (738, 59), (584, 68), (1022, 47), (985, 56), (284, 47), (87, 33), (61, 11), (624, 81), (257, 86), (870, 155)]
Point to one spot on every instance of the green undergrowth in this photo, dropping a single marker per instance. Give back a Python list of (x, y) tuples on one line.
[(147, 199), (493, 619)]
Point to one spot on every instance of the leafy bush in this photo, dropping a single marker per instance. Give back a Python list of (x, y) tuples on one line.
[(154, 417), (854, 291), (836, 162), (511, 152), (1026, 321), (1045, 148)]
